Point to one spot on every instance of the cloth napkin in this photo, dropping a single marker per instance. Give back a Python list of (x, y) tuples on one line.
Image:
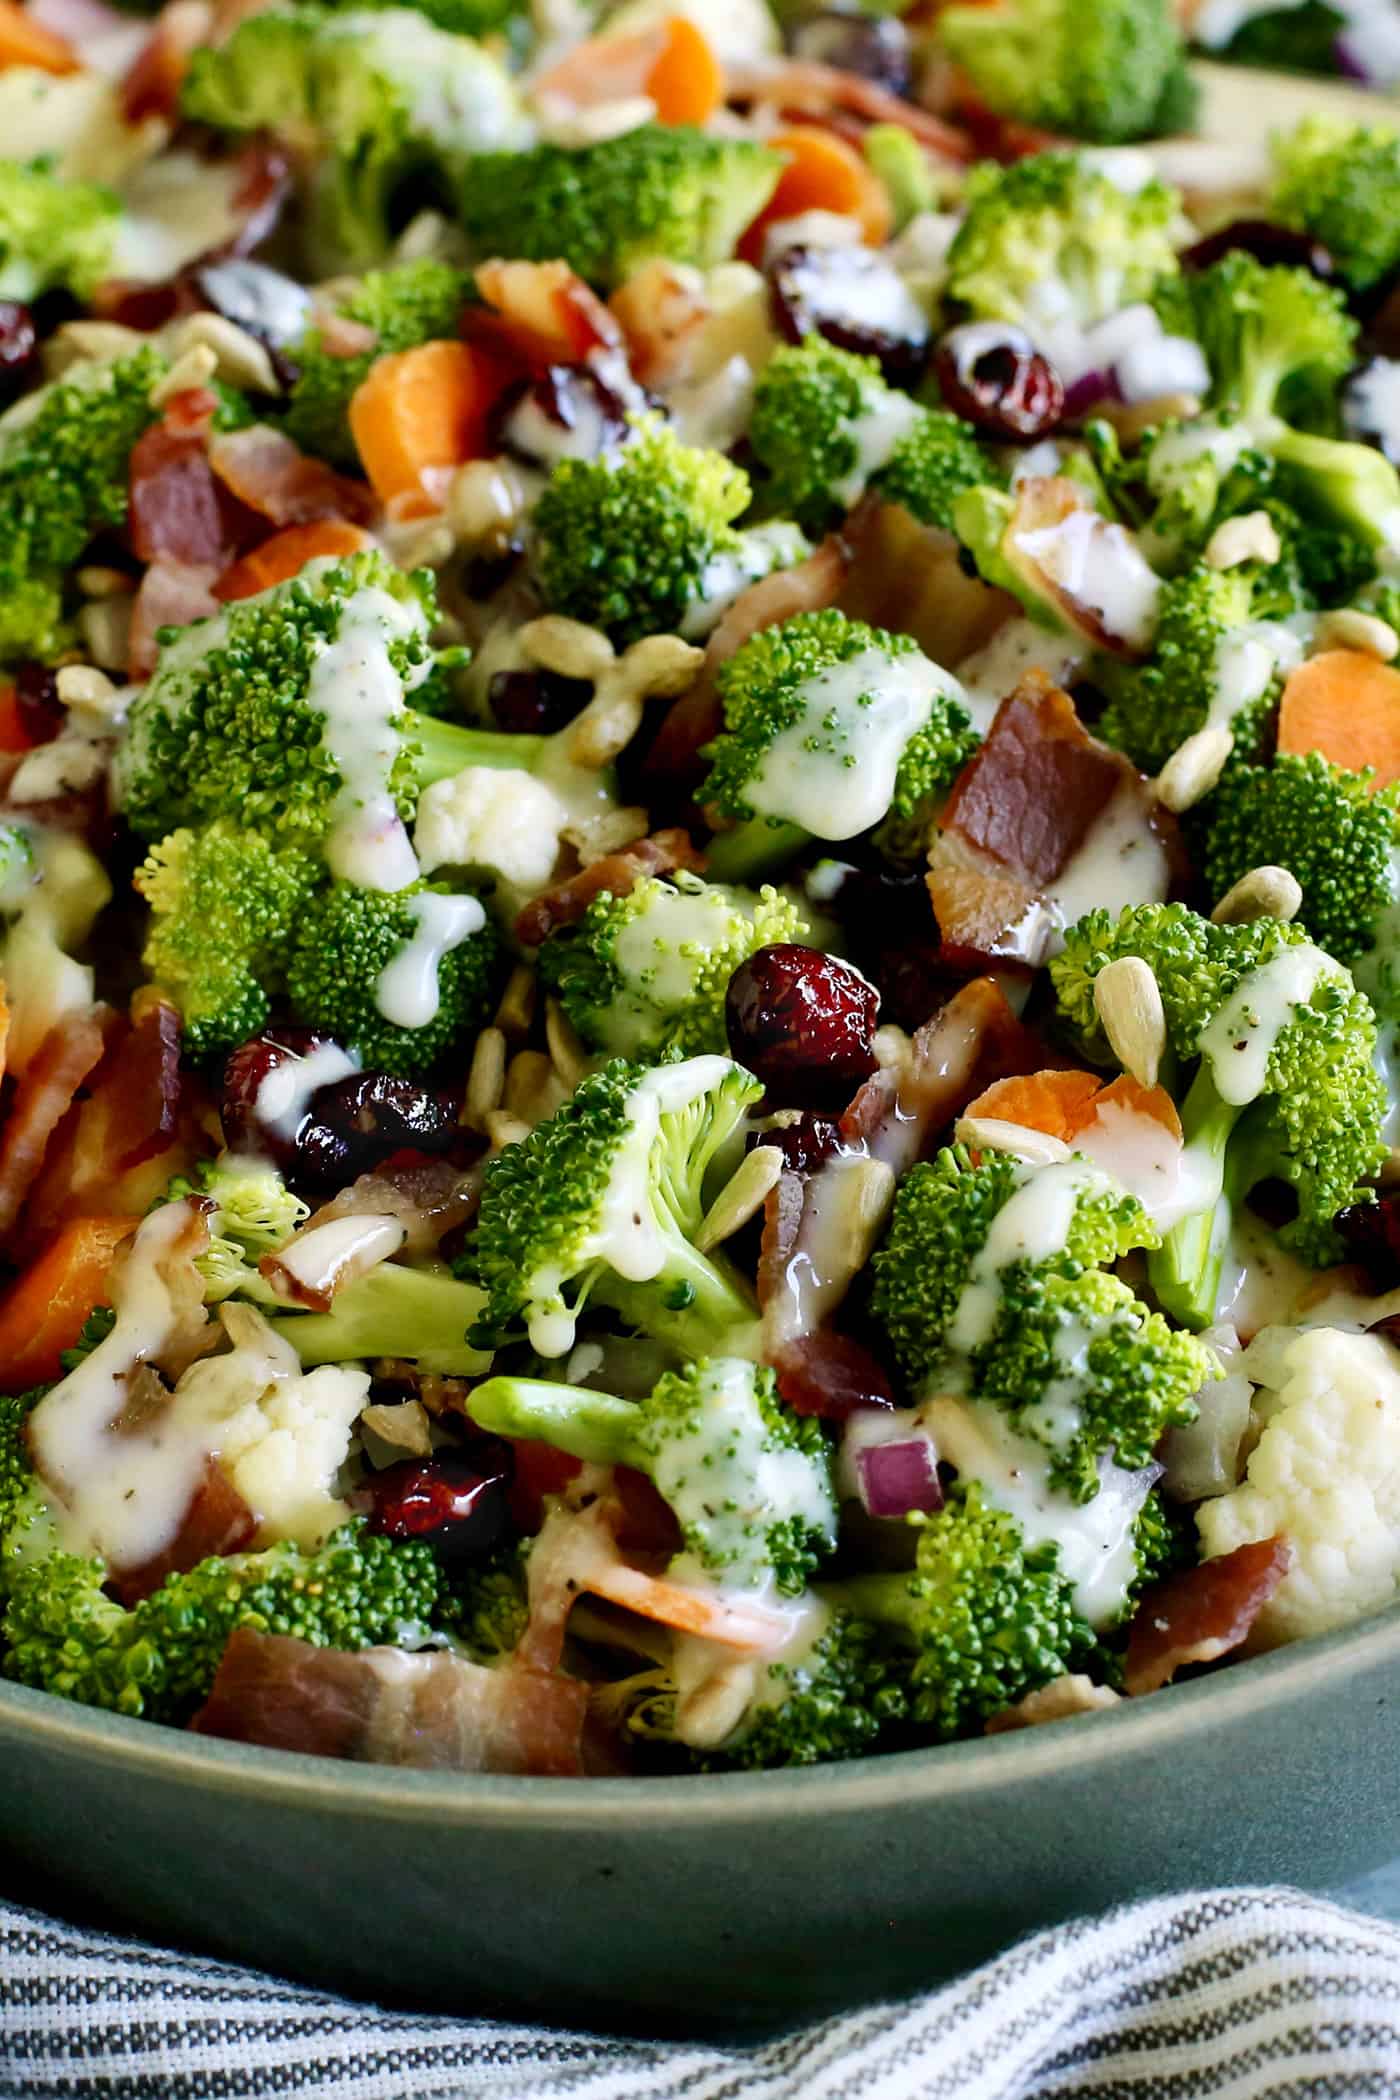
[(1243, 1994)]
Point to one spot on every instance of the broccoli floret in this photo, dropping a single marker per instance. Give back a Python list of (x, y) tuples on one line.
[(1101, 73), (400, 976), (637, 540), (943, 1217), (1285, 1086), (1289, 40), (412, 303), (983, 1617), (645, 974), (63, 480), (65, 1635), (223, 903), (347, 88), (1051, 240), (16, 1471), (419, 1315), (231, 724), (662, 189), (601, 1201), (1326, 826), (255, 1214), (749, 1482), (825, 425), (1340, 182), (488, 1607), (834, 1700), (53, 233), (1183, 480), (1202, 667), (807, 751)]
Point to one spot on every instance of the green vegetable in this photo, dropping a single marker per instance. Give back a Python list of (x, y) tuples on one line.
[(53, 234), (407, 304), (1340, 182), (1108, 73)]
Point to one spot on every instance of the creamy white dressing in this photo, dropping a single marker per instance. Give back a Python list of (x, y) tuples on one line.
[(760, 551), (997, 668), (178, 206), (727, 1485), (1121, 861), (1169, 1179), (1175, 456), (832, 771), (283, 1099), (461, 97), (1249, 658), (406, 990), (625, 1236), (359, 695), (1095, 1539), (717, 1688), (1033, 1225), (1239, 1041), (885, 418), (543, 437), (657, 953), (1100, 566), (1371, 404)]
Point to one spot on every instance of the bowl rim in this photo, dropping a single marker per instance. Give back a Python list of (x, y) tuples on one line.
[(941, 1773)]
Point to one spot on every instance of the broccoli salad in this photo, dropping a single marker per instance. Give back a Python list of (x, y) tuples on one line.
[(699, 870)]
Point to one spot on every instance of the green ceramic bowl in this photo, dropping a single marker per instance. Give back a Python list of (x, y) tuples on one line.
[(727, 1904)]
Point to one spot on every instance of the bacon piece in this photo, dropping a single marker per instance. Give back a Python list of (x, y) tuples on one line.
[(151, 87), (1032, 790), (70, 1050), (265, 470), (972, 1041), (177, 507), (1201, 1613), (697, 716), (429, 1197), (541, 312), (218, 1521), (831, 1375), (576, 1539), (816, 90), (145, 1119), (909, 578), (430, 1712), (172, 594), (1089, 567), (566, 903)]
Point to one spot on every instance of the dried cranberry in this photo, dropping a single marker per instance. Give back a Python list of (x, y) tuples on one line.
[(994, 376), (536, 703), (246, 1069), (456, 1501), (876, 47), (147, 307), (569, 411), (355, 1123), (19, 346), (1267, 242), (806, 1143), (833, 292), (40, 709), (802, 1022), (1370, 1233)]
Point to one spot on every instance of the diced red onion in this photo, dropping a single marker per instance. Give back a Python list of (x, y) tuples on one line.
[(898, 1478), (1087, 389), (1164, 364)]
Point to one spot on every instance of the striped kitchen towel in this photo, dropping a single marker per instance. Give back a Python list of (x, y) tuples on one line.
[(1247, 1994)]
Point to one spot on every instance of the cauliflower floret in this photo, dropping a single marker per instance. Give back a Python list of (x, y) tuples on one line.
[(1325, 1473), (505, 821)]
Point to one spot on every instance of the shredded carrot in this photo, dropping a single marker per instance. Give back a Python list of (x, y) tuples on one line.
[(687, 81), (721, 1619), (1346, 705), (43, 1312), (823, 173), (1062, 1104), (25, 42), (285, 555), (421, 412)]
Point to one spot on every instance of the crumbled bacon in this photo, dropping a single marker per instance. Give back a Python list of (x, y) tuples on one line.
[(172, 594), (429, 1197), (68, 1053), (692, 720), (177, 509), (619, 873), (265, 470), (217, 1521), (831, 1375), (151, 87), (1201, 1613), (909, 578), (807, 86), (430, 1711)]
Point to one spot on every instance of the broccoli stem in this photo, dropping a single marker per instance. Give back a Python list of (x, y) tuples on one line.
[(594, 1427), (1185, 1270), (696, 1306), (754, 851), (418, 1314), (446, 747)]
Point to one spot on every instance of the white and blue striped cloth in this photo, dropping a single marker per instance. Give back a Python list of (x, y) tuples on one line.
[(1260, 1994)]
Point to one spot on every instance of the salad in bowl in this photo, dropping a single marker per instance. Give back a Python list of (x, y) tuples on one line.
[(700, 752)]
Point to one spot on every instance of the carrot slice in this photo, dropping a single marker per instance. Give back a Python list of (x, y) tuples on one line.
[(736, 1624), (823, 173), (43, 1312), (25, 42), (1346, 705), (423, 410), (1059, 1103), (1131, 1095), (687, 81), (283, 556)]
